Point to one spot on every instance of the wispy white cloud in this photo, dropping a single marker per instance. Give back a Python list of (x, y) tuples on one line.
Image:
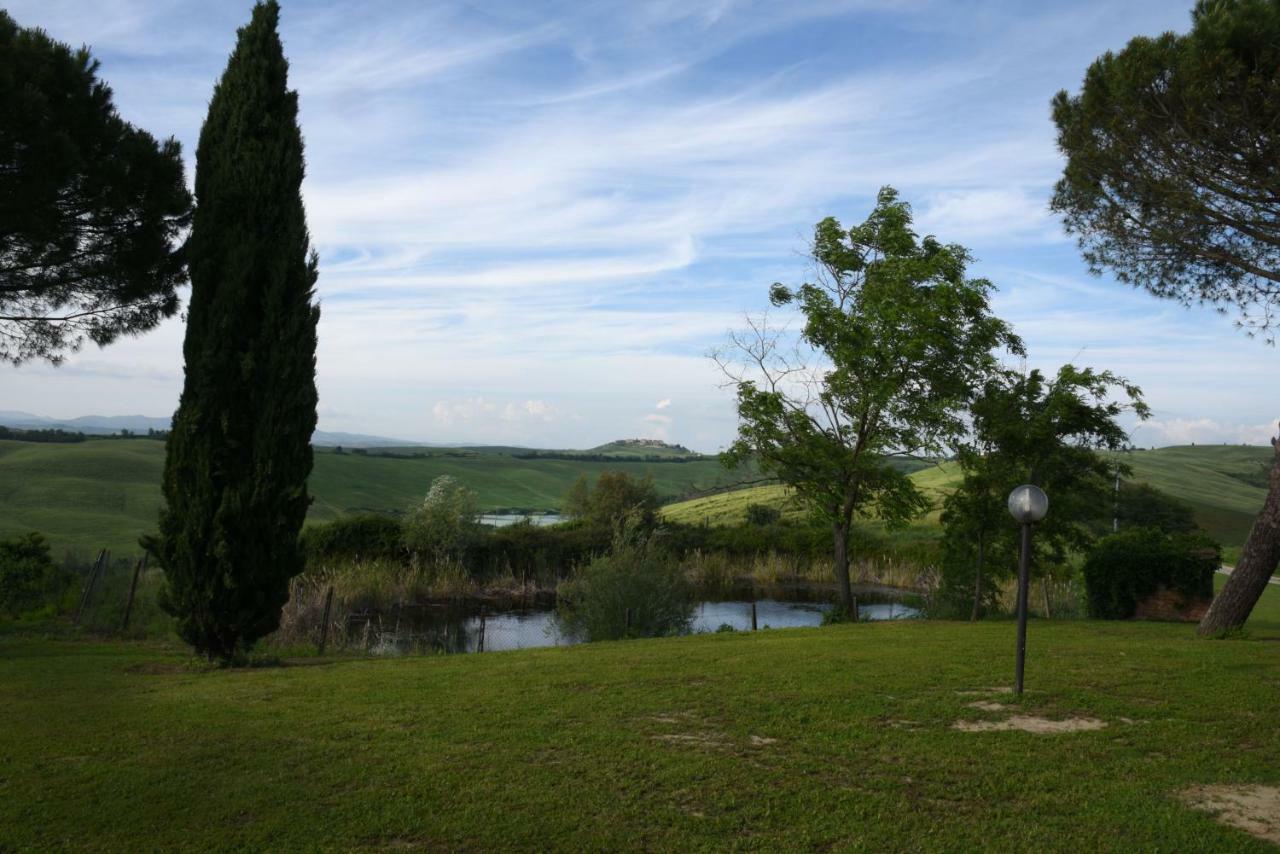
[(535, 218)]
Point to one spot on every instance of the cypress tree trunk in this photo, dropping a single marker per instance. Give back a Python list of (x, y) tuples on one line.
[(977, 576), (235, 482), (1258, 561)]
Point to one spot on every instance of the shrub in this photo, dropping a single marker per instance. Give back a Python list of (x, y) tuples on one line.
[(445, 523), (25, 570), (637, 590), (368, 536), (1126, 568), (762, 515)]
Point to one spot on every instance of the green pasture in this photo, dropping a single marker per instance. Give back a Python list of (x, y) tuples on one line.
[(100, 493)]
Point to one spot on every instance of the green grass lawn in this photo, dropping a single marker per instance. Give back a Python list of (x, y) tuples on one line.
[(106, 493), (834, 737)]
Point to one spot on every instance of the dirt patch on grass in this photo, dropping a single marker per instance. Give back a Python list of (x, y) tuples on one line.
[(760, 740), (988, 706), (705, 739), (1030, 723), (1253, 809), (158, 668), (983, 692)]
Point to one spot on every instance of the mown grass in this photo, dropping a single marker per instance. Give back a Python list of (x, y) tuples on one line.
[(840, 737), (106, 493)]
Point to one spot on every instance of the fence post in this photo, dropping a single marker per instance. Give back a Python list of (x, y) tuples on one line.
[(1044, 590), (324, 625), (88, 587), (753, 609), (480, 645), (133, 589)]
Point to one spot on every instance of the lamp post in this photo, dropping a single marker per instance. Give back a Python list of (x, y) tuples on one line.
[(1027, 504)]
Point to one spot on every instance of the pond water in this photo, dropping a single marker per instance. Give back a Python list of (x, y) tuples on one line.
[(502, 520), (450, 628)]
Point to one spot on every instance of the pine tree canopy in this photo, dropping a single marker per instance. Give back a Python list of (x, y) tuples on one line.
[(90, 207)]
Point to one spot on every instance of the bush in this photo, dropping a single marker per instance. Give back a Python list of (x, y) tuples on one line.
[(1126, 568), (445, 523), (25, 571), (637, 590), (369, 536), (762, 515)]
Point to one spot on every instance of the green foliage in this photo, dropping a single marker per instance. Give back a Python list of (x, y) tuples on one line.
[(1171, 155), (26, 571), (762, 515), (636, 590), (616, 496), (90, 206), (445, 523), (895, 341), (1126, 568), (240, 451), (1141, 505), (367, 536), (1028, 429)]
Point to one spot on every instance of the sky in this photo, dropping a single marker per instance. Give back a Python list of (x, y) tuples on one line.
[(536, 219)]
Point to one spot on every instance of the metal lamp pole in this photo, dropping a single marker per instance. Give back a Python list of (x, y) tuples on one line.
[(1027, 504)]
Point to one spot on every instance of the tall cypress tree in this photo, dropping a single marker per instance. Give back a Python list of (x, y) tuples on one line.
[(235, 482)]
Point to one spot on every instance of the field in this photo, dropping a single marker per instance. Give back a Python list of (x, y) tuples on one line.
[(107, 492), (1224, 484), (837, 737)]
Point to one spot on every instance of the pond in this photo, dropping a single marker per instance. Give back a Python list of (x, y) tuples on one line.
[(502, 520), (454, 628)]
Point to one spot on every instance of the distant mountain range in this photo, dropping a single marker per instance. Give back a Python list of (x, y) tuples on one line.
[(100, 425)]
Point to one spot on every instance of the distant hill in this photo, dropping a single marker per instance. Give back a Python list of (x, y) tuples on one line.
[(102, 425), (107, 492), (1224, 484), (643, 448)]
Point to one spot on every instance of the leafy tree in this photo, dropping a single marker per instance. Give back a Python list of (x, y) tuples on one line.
[(235, 481), (90, 206), (895, 341), (616, 496), (577, 501), (1029, 429), (445, 523), (1170, 182)]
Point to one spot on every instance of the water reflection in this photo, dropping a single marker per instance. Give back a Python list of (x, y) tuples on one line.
[(452, 628)]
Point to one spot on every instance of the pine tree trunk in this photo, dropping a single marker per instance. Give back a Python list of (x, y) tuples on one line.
[(841, 532), (1258, 561), (977, 580)]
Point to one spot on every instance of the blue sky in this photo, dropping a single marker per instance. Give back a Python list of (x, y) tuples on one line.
[(535, 219)]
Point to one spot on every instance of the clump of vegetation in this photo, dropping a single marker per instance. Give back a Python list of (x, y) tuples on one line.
[(762, 515), (617, 496), (636, 590), (445, 524), (365, 536), (26, 572), (1128, 567)]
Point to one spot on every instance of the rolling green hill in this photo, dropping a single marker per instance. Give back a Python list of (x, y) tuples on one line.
[(107, 492), (1224, 484)]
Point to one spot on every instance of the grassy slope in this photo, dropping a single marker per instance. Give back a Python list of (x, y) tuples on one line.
[(107, 493), (644, 744), (1213, 479)]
